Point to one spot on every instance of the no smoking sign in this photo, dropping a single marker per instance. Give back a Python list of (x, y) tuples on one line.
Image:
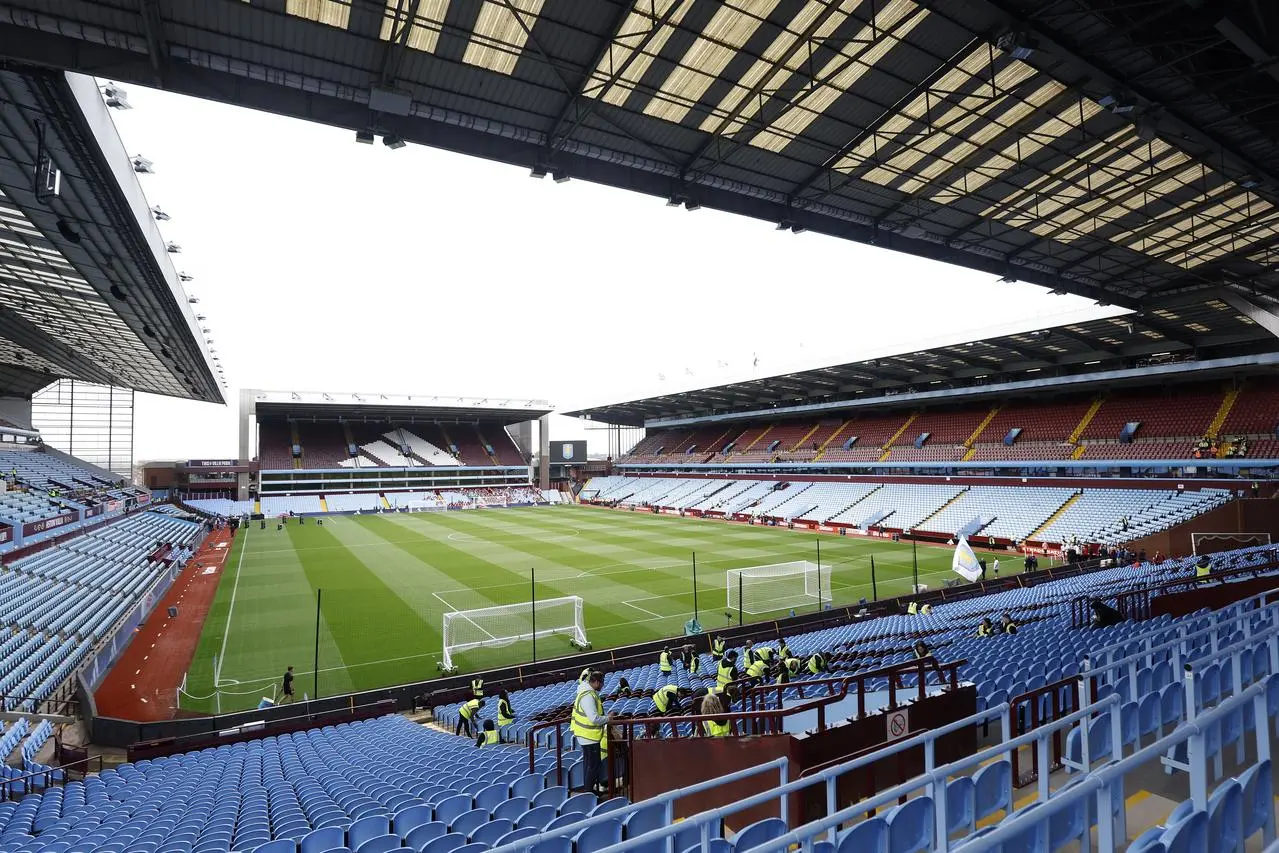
[(898, 724)]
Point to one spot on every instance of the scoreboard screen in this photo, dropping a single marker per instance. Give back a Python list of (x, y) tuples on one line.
[(568, 452)]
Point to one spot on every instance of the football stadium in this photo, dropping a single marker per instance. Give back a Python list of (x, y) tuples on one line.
[(1009, 589)]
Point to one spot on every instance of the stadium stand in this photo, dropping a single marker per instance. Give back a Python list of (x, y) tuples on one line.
[(67, 597), (323, 444), (1168, 425), (44, 471), (1007, 513), (220, 506), (326, 445)]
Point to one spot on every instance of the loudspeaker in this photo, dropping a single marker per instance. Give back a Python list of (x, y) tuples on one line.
[(173, 612)]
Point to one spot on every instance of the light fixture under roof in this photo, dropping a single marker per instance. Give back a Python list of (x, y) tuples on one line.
[(159, 214), (364, 137), (393, 141), (142, 165), (115, 97)]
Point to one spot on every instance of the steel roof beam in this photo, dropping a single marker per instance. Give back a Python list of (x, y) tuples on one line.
[(572, 113), (1059, 46)]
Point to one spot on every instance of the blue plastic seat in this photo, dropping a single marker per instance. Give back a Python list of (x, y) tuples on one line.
[(758, 832), (490, 832), (603, 834), (380, 844), (448, 809), (578, 803), (536, 818), (444, 844), (527, 786), (869, 836), (553, 796), (419, 836), (408, 819), (992, 789), (555, 844), (1258, 794), (910, 826), (364, 829), (513, 809), (516, 835), (960, 805), (468, 822), (644, 819), (1189, 835)]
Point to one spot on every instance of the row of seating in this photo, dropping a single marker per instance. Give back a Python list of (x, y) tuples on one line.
[(1012, 513)]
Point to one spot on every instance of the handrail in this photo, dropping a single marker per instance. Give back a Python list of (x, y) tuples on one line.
[(1244, 616), (7, 785), (1142, 596), (755, 690), (1086, 668), (1101, 781), (827, 776), (769, 715), (929, 780)]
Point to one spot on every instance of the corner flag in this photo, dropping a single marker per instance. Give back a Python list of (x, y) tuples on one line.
[(965, 561)]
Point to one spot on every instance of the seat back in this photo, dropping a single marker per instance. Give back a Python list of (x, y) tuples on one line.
[(910, 826), (869, 836)]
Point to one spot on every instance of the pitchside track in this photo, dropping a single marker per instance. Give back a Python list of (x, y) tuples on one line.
[(385, 582)]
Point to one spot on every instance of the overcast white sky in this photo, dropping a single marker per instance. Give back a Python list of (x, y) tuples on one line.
[(327, 265)]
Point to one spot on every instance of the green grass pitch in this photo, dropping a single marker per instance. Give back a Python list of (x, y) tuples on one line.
[(385, 581)]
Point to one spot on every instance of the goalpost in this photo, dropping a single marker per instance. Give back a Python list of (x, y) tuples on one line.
[(505, 624), (1211, 543), (764, 589)]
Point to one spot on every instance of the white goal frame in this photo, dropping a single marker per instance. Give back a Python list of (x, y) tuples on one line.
[(531, 620), (1196, 538), (816, 586)]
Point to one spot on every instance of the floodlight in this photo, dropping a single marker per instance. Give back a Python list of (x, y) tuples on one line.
[(392, 141), (364, 137), (1018, 45), (560, 177), (142, 165), (1249, 182), (689, 204), (116, 97), (185, 277), (785, 225), (172, 248), (159, 214), (675, 200), (1007, 279), (193, 300), (537, 172)]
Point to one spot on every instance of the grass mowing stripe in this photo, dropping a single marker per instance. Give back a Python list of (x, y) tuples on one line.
[(235, 587)]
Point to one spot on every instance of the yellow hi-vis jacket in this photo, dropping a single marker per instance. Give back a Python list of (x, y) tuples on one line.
[(469, 707), (757, 669), (505, 716), (662, 697), (581, 724), (490, 737), (664, 662), (727, 673)]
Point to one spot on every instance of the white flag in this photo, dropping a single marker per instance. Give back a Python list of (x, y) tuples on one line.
[(965, 561)]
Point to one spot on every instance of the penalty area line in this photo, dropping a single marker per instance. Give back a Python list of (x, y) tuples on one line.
[(643, 610)]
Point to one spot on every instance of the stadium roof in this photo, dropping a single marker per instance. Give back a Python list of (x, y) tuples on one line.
[(373, 406), (87, 290), (1192, 332), (1111, 148)]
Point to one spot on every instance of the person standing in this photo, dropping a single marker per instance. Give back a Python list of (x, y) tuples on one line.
[(287, 687), (664, 661), (505, 715), (588, 726)]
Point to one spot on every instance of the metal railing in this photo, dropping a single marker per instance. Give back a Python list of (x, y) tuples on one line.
[(932, 780), (16, 787), (1106, 784), (762, 721), (1135, 604), (827, 775)]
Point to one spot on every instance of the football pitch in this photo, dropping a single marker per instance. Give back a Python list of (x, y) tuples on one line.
[(384, 582)]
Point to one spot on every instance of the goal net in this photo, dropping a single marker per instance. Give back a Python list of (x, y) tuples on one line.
[(493, 627), (1212, 543), (764, 589)]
